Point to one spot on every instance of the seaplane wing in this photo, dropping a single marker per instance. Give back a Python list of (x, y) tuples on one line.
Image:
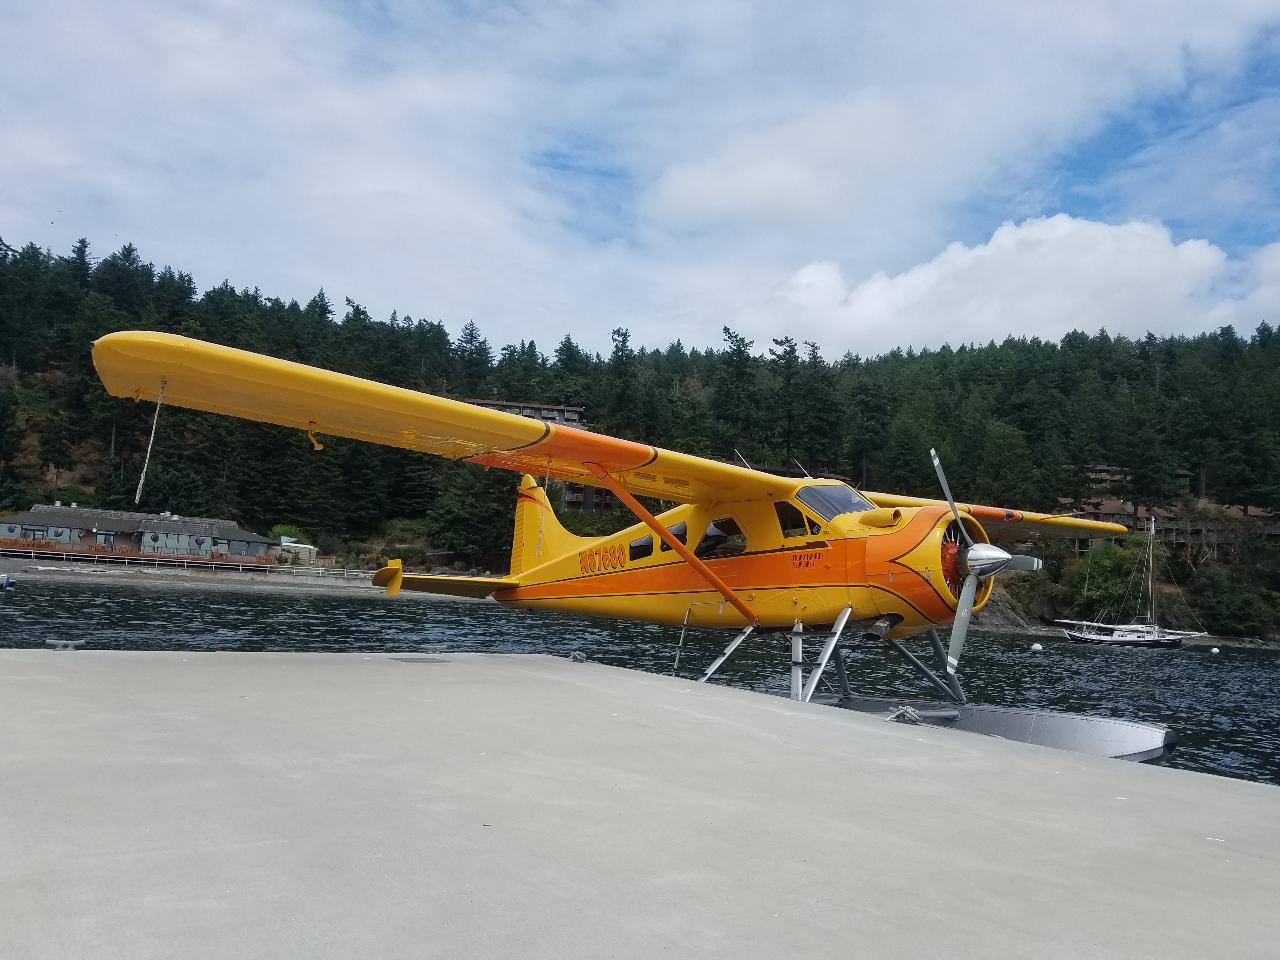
[(1049, 524), (218, 379)]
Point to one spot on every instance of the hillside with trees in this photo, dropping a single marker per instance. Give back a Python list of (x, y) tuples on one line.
[(1020, 422)]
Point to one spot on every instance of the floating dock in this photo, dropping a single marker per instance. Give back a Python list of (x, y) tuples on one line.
[(256, 805)]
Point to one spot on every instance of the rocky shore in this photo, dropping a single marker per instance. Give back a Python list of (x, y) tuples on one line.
[(1001, 616)]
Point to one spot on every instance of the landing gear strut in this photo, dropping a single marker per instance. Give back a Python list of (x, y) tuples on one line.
[(949, 688)]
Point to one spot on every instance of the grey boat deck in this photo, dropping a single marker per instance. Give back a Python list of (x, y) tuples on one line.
[(345, 805)]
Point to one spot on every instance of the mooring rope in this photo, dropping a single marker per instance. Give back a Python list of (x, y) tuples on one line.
[(546, 495), (137, 497)]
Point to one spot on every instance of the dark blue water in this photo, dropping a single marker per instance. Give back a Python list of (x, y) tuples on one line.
[(1223, 708)]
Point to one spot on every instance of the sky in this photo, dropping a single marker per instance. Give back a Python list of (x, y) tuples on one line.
[(865, 176)]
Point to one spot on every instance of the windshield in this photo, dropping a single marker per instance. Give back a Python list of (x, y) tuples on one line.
[(830, 502)]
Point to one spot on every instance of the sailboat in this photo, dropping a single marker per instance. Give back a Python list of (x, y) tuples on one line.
[(1140, 632)]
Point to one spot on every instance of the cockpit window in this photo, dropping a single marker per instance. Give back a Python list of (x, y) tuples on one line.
[(829, 502), (792, 521)]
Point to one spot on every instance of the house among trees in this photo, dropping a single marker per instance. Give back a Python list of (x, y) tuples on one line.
[(79, 531), (1196, 525), (577, 496)]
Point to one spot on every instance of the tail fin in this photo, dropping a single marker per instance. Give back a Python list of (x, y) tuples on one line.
[(539, 537)]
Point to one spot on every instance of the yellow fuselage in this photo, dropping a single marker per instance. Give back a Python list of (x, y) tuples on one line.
[(881, 563)]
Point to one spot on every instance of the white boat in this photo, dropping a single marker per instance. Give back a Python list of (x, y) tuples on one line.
[(1139, 632)]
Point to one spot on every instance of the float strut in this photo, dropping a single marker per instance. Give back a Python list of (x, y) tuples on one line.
[(827, 649), (797, 661), (924, 670), (938, 651), (728, 652), (842, 676)]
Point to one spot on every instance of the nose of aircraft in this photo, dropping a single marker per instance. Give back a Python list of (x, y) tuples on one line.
[(986, 559)]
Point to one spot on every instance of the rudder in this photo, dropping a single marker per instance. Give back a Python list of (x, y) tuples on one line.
[(539, 535)]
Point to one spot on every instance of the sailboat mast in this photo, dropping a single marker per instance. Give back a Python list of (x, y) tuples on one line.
[(1151, 571)]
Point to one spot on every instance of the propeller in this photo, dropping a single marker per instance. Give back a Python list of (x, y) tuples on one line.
[(980, 561)]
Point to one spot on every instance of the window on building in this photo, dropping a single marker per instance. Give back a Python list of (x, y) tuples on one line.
[(829, 502), (680, 531), (793, 522), (724, 538), (642, 548), (570, 415)]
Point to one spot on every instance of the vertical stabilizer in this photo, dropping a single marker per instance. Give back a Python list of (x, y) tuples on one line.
[(539, 537)]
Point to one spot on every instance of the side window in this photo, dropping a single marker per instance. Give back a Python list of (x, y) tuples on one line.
[(641, 548), (793, 522), (680, 531), (724, 538)]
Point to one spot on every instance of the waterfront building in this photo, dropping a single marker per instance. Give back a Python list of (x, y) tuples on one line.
[(81, 530)]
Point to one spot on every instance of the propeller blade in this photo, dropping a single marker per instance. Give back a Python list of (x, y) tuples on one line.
[(946, 490), (960, 628), (1020, 561)]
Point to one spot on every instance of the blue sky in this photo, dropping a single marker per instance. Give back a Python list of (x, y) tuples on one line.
[(1217, 128), (863, 175)]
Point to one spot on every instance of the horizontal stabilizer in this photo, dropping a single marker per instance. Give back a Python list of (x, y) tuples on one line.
[(393, 577)]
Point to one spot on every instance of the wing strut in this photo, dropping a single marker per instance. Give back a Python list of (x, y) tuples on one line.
[(671, 540)]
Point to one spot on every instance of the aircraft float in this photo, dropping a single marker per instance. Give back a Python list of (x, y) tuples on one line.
[(742, 550)]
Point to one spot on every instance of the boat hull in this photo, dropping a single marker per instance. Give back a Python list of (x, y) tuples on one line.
[(1162, 643)]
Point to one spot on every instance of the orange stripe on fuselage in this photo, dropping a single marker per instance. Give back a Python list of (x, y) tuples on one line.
[(884, 559), (746, 571)]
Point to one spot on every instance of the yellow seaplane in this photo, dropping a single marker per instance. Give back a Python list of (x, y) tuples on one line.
[(741, 550)]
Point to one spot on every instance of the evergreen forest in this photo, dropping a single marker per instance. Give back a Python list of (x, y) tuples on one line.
[(1021, 423)]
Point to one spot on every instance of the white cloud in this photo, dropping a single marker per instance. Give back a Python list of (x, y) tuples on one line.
[(394, 152), (1044, 277)]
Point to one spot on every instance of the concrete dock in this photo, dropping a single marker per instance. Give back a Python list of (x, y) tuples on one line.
[(345, 805)]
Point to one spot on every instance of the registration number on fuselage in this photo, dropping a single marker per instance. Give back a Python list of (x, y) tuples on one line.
[(806, 559), (602, 559)]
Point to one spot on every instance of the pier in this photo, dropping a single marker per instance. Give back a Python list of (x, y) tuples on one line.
[(257, 805)]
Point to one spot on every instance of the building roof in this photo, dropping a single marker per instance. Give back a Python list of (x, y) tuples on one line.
[(516, 403), (1111, 508), (123, 521)]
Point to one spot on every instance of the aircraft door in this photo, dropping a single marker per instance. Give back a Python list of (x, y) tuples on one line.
[(855, 567)]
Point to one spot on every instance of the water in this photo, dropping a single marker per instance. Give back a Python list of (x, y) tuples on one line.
[(1222, 707)]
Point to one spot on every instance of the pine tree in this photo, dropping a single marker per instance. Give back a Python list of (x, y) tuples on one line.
[(473, 360)]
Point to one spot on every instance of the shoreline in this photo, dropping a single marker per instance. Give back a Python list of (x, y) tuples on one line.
[(53, 571)]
